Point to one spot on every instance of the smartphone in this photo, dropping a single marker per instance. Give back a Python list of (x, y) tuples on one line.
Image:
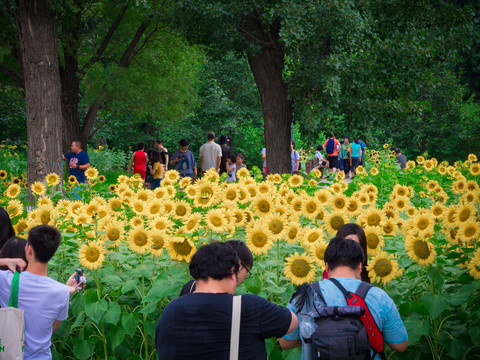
[(80, 278), (79, 275)]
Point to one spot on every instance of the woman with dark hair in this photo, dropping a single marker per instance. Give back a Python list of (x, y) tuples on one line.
[(6, 228), (14, 248), (355, 232)]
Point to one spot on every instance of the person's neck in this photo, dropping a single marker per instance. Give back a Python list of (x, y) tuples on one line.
[(213, 286), (37, 268), (343, 272), (78, 151)]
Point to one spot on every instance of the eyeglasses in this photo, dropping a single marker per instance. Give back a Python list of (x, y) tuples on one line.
[(248, 272)]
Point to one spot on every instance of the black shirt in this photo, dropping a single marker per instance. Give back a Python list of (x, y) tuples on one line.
[(402, 160), (188, 288), (226, 152), (197, 326)]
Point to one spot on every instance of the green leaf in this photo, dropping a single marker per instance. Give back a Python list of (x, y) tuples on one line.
[(79, 320), (149, 309), (130, 322), (129, 285), (83, 349), (96, 310), (159, 292), (116, 336), (416, 328), (112, 315), (436, 304), (462, 295)]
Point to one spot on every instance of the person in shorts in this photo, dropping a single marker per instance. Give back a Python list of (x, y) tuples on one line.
[(332, 146)]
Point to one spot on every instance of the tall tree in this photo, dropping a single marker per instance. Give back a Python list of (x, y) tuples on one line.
[(39, 55)]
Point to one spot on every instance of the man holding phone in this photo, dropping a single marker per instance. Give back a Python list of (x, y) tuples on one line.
[(184, 160)]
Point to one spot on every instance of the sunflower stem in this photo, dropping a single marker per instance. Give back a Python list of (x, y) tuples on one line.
[(102, 326), (144, 315)]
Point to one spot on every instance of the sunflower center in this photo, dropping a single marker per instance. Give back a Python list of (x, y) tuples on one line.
[(423, 224), (470, 231), (113, 234), (319, 253), (352, 206), (264, 206), (292, 233), (182, 248), (231, 195), (259, 239), (276, 226), (311, 208), (421, 249), (300, 268), (312, 237), (160, 225), (216, 221), (388, 229), (116, 205), (181, 210), (45, 217), (92, 254), (464, 215), (191, 224), (372, 241), (158, 242), (336, 222), (383, 267), (373, 220), (140, 239), (339, 203), (21, 226)]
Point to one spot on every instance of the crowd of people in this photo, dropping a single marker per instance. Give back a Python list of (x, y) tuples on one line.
[(200, 323)]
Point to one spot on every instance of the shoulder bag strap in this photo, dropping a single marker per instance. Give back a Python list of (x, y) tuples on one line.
[(344, 291), (194, 285), (235, 334), (316, 287), (13, 301), (363, 289)]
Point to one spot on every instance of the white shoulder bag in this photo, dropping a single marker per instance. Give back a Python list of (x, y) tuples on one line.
[(235, 334)]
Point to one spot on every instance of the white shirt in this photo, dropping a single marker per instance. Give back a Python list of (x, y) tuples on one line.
[(319, 155), (43, 301), (232, 175), (264, 151), (210, 152)]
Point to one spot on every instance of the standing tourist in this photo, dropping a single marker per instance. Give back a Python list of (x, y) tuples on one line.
[(364, 146), (345, 155), (184, 161), (355, 155), (401, 159), (240, 160), (332, 146), (226, 152), (210, 154), (139, 161), (156, 168), (198, 325), (78, 161), (295, 157), (264, 158), (163, 153), (231, 168)]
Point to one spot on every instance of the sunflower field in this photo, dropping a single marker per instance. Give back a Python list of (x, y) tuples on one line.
[(422, 226)]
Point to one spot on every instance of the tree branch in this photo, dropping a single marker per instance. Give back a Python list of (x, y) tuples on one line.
[(129, 52), (16, 78), (106, 40)]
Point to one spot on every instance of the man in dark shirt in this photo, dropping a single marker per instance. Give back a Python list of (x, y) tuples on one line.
[(226, 152), (401, 159), (198, 325), (78, 161)]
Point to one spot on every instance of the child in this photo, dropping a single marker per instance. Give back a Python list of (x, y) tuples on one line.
[(231, 168), (139, 161), (320, 157), (156, 168), (240, 161)]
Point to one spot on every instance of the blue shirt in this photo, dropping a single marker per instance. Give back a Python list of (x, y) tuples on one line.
[(381, 306), (355, 150), (78, 159), (186, 164), (295, 157)]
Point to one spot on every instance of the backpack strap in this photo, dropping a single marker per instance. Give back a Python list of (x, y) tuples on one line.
[(316, 287), (13, 301), (358, 299)]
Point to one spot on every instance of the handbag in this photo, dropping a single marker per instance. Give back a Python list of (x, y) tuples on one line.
[(12, 331), (235, 333)]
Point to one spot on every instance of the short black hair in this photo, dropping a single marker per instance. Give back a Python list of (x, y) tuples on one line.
[(347, 137), (343, 252), (159, 141), (184, 142), (397, 150), (232, 158), (293, 143), (241, 156), (140, 146), (319, 148), (79, 143), (355, 229), (14, 248), (243, 252), (6, 228), (155, 156), (211, 135), (215, 260), (44, 240)]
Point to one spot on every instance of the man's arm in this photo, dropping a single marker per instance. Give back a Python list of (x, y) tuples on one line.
[(201, 163), (289, 344), (130, 165), (219, 160), (166, 158), (55, 325), (399, 347), (293, 323), (83, 167)]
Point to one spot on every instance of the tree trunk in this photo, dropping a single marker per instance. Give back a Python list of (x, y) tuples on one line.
[(39, 52), (267, 68)]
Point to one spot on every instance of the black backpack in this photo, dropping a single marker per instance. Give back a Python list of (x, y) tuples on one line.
[(340, 332)]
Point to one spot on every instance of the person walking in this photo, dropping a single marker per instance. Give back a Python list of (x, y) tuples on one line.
[(226, 152), (345, 155), (163, 153), (332, 146), (355, 156), (210, 154), (156, 168), (78, 161), (295, 157), (401, 159), (184, 161), (264, 158), (139, 161)]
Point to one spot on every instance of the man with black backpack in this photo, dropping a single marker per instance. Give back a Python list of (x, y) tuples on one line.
[(343, 317), (332, 146)]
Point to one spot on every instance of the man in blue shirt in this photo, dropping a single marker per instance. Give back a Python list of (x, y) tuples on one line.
[(78, 161), (344, 259)]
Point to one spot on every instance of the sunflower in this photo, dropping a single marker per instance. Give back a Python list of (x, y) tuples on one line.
[(14, 208), (311, 206), (374, 239), (44, 215), (91, 255), (3, 174), (182, 210), (191, 191), (72, 180), (335, 220), (318, 251), (203, 200), (193, 222), (38, 188), (420, 251), (138, 206), (429, 165), (181, 248), (360, 170), (451, 233), (114, 232), (374, 171), (265, 188), (167, 207), (292, 233), (22, 226), (338, 201), (161, 223), (372, 217), (102, 179), (231, 192), (401, 203), (459, 186), (184, 182), (386, 146), (258, 238), (312, 183), (323, 195), (143, 195), (158, 242), (295, 181), (297, 204), (382, 268), (337, 188), (465, 212), (340, 176), (139, 240), (420, 160), (91, 209), (276, 225), (242, 173), (216, 221), (468, 231), (438, 210), (299, 269), (91, 173), (390, 227), (13, 191), (115, 205), (52, 179), (474, 265), (172, 175), (311, 236), (263, 205), (475, 169), (152, 208)]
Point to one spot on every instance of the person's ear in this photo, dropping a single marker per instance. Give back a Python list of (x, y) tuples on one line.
[(327, 268), (359, 268)]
